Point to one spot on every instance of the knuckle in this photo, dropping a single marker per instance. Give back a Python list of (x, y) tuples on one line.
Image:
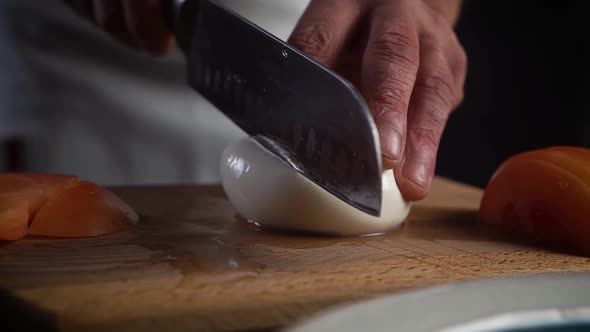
[(460, 77), (391, 100), (426, 136), (397, 57), (314, 40), (461, 57), (388, 115), (459, 96), (430, 125), (398, 45), (435, 120), (438, 20), (430, 41), (436, 86), (458, 53)]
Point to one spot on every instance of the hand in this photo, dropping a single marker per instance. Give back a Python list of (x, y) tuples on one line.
[(137, 23), (407, 62)]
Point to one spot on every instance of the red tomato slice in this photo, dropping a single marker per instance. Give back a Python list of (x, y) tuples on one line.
[(545, 193), (36, 188), (14, 217), (82, 210), (573, 150), (567, 158)]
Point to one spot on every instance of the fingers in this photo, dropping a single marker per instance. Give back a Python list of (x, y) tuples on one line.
[(434, 97), (323, 29), (390, 65), (145, 22), (458, 64), (437, 27), (437, 91)]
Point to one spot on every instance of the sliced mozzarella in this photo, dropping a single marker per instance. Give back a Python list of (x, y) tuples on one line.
[(266, 190)]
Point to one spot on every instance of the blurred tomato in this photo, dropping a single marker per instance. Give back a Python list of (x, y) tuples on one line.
[(83, 210), (58, 205), (545, 193)]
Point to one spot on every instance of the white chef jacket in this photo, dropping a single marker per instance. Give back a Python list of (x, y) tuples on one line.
[(92, 107)]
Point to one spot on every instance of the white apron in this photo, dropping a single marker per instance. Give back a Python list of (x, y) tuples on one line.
[(91, 107)]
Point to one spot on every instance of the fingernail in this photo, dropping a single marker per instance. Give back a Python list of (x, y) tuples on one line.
[(416, 172), (391, 143)]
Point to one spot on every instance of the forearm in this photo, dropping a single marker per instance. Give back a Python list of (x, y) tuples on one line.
[(449, 9)]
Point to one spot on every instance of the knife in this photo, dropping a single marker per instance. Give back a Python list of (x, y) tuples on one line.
[(301, 111)]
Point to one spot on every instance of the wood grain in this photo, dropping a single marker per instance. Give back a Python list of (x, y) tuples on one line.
[(193, 265)]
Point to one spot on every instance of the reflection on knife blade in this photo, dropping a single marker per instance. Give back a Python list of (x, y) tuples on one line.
[(304, 113)]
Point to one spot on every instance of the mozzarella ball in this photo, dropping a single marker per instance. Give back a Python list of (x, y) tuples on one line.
[(266, 190)]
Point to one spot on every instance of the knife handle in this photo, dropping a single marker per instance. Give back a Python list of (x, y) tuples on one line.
[(181, 17)]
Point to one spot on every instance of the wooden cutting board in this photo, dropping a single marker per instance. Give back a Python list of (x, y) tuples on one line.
[(193, 265)]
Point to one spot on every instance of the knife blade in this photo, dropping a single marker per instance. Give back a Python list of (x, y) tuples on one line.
[(301, 111)]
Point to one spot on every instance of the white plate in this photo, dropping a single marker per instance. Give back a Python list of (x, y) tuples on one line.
[(481, 305)]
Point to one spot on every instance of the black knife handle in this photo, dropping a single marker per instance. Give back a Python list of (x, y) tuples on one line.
[(181, 16)]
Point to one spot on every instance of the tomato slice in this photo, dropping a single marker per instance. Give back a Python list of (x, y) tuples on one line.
[(36, 188), (562, 157), (14, 217), (575, 151), (545, 193), (83, 210)]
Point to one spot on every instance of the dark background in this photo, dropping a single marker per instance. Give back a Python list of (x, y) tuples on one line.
[(526, 88)]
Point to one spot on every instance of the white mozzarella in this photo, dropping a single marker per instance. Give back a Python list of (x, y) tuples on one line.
[(265, 190)]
